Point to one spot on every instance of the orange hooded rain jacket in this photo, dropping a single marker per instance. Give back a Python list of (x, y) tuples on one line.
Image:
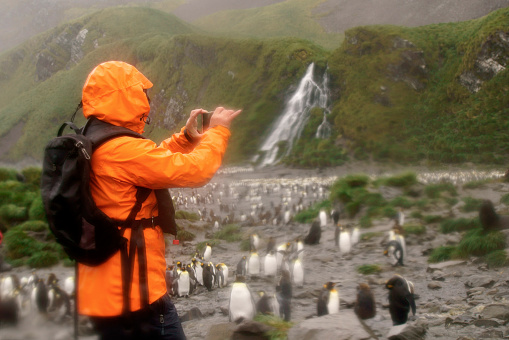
[(114, 93)]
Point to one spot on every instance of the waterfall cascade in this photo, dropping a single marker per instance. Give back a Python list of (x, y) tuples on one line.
[(290, 123)]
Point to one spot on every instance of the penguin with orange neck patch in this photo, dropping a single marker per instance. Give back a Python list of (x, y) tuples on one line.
[(328, 301)]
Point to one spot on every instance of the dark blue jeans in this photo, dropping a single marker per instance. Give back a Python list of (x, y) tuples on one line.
[(159, 320)]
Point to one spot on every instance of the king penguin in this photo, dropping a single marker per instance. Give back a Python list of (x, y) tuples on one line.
[(208, 276), (242, 305), (345, 244), (253, 268), (184, 283), (255, 242), (355, 235), (298, 273), (328, 301), (264, 304), (394, 251), (270, 264), (207, 253), (401, 299), (242, 266), (323, 218), (315, 233)]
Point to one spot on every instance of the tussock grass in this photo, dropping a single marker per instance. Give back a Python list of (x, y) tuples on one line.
[(368, 269), (476, 242), (245, 245), (404, 180), (187, 215), (436, 190), (280, 327), (497, 259), (441, 254), (505, 199), (414, 229), (429, 219), (308, 215), (229, 233), (471, 204), (184, 235), (459, 224)]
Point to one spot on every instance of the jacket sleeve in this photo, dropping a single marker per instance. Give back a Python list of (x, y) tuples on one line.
[(140, 162), (179, 143)]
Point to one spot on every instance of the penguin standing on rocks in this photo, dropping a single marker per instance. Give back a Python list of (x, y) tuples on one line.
[(207, 254), (328, 301), (345, 244), (401, 299), (356, 234), (222, 275), (271, 244), (255, 242), (241, 305), (242, 266), (314, 235), (394, 251), (198, 270), (270, 264), (208, 276), (40, 295), (298, 273), (253, 265), (284, 295), (184, 283), (365, 306)]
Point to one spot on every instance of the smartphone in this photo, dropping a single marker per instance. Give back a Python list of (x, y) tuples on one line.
[(203, 121)]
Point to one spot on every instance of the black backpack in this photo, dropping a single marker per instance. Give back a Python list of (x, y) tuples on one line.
[(88, 235)]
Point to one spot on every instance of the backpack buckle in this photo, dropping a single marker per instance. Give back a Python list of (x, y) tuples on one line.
[(152, 222)]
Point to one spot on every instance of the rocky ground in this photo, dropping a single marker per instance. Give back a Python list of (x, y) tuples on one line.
[(455, 300)]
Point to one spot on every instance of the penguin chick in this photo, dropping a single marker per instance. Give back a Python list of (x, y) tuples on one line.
[(365, 306), (315, 233), (401, 299), (264, 304)]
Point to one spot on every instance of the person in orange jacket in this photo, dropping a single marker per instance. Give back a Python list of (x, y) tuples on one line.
[(116, 92)]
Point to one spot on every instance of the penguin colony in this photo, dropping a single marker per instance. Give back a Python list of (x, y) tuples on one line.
[(28, 296), (281, 262)]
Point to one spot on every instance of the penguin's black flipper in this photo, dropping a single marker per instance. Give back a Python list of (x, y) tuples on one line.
[(411, 301)]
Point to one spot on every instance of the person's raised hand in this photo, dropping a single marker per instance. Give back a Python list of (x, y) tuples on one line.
[(192, 123), (223, 117)]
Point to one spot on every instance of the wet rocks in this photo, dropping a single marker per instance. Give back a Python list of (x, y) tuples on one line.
[(443, 265), (479, 281), (496, 311), (344, 325), (409, 331)]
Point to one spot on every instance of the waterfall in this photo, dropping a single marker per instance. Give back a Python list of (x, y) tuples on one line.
[(289, 125)]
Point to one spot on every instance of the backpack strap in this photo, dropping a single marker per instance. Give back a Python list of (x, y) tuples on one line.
[(136, 245)]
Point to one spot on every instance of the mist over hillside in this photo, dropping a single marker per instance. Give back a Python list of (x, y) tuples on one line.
[(22, 19)]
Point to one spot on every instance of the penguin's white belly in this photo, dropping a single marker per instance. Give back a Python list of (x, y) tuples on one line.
[(333, 304), (355, 236), (207, 254), (254, 265), (241, 304), (298, 274), (225, 274), (199, 274), (401, 240), (344, 242), (270, 265), (183, 284), (323, 219), (69, 286)]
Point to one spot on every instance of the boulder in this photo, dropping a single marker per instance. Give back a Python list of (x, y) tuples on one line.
[(221, 331), (409, 331), (480, 281), (444, 265), (251, 330), (344, 325), (496, 311), (192, 314)]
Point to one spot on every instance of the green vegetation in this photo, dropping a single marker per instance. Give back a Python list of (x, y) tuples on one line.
[(414, 229), (229, 233), (184, 235), (459, 224), (395, 94), (441, 254), (308, 215), (436, 190), (368, 269), (370, 235), (505, 199), (471, 204), (279, 327), (186, 215), (429, 219), (478, 243), (404, 180), (476, 184), (497, 258), (200, 247)]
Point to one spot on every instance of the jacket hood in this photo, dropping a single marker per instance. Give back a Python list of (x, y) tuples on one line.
[(113, 92)]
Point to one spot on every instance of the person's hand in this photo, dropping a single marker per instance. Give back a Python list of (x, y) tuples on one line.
[(192, 123), (223, 117)]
